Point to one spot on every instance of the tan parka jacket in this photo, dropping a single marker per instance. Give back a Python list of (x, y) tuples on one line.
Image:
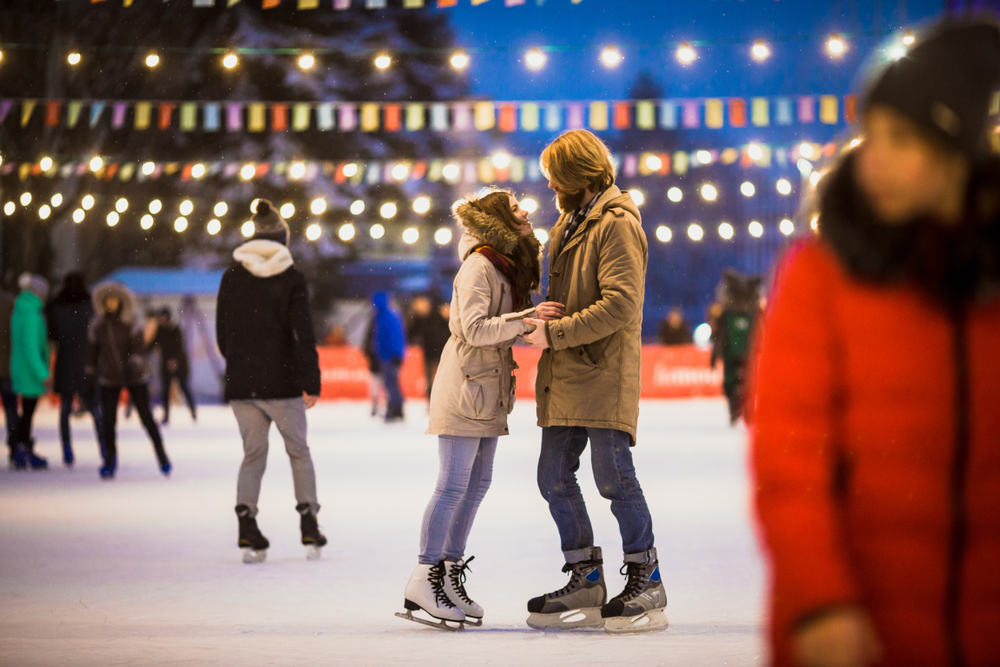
[(590, 375)]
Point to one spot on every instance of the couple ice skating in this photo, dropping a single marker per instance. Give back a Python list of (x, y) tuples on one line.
[(587, 390)]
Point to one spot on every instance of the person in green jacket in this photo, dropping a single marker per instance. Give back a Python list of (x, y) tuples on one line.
[(29, 363)]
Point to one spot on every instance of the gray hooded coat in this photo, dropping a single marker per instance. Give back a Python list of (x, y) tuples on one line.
[(473, 391)]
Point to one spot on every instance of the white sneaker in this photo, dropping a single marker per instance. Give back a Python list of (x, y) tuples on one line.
[(454, 586), (426, 590)]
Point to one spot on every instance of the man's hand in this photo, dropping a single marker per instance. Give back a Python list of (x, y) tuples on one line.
[(309, 399), (842, 638), (536, 338), (550, 310)]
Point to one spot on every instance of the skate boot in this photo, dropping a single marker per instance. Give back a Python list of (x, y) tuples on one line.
[(19, 458), (254, 544), (454, 586), (425, 592), (35, 462), (68, 457), (107, 471), (165, 468), (311, 537), (638, 608), (578, 603)]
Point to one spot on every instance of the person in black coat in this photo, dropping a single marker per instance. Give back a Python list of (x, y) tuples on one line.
[(429, 329), (674, 329), (69, 315), (173, 362), (7, 394), (264, 331)]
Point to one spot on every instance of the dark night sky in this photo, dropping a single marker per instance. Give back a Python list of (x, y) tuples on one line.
[(796, 30)]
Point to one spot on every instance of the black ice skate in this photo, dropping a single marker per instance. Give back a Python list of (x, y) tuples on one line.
[(311, 537), (578, 603), (638, 608), (425, 593), (254, 544)]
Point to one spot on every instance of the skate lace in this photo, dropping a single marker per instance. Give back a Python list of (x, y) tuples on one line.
[(457, 576), (437, 584), (634, 581), (574, 578)]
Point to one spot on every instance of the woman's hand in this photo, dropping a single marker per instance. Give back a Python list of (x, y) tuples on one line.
[(841, 638), (536, 337), (551, 310)]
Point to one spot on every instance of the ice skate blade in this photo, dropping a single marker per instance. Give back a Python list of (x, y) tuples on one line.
[(651, 621), (573, 619), (313, 552), (440, 624), (251, 556)]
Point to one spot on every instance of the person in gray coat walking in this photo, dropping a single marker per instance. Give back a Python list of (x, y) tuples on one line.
[(473, 394)]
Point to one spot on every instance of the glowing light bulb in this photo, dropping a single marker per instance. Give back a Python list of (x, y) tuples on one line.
[(57, 200), (529, 204), (152, 60), (113, 219), (350, 170), (535, 59), (836, 46), (383, 61), (73, 58), (45, 163), (198, 170), (703, 157), (297, 170), (287, 210), (213, 227), (748, 189), (786, 227), (686, 54), (653, 163), (756, 229), (314, 231), (25, 199), (78, 215), (146, 222), (501, 160), (909, 38), (247, 172), (542, 235), (388, 210), (180, 224), (9, 208), (377, 231), (760, 50), (695, 232), (186, 207), (121, 205), (674, 194), (400, 172), (96, 163), (708, 192), (155, 206), (148, 168), (318, 206), (247, 229), (230, 61), (306, 61), (755, 152), (220, 208), (87, 202), (357, 207), (611, 56), (459, 60), (784, 186), (346, 232), (442, 236), (664, 234), (44, 211), (806, 150), (638, 197), (726, 231), (411, 235), (451, 171), (421, 205)]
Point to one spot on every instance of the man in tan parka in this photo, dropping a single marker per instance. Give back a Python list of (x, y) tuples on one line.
[(588, 388)]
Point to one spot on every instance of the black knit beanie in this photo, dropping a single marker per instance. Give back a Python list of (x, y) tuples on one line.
[(944, 83), (267, 224)]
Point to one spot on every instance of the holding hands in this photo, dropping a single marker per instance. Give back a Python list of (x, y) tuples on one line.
[(550, 310)]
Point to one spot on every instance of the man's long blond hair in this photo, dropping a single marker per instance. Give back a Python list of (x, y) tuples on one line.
[(578, 160)]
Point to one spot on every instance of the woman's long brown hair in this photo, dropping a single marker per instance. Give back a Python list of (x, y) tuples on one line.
[(526, 256)]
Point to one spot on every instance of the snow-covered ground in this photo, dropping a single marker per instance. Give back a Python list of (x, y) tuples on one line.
[(145, 570)]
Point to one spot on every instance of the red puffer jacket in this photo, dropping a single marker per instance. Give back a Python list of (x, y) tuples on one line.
[(876, 447)]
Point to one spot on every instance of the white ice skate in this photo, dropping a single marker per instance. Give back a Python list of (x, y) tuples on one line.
[(454, 586), (425, 594)]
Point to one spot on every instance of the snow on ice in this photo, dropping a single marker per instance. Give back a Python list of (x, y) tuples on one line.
[(145, 570)]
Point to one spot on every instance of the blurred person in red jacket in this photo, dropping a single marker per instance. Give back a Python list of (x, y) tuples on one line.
[(875, 412)]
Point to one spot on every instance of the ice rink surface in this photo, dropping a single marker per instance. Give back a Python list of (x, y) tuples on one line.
[(145, 570)]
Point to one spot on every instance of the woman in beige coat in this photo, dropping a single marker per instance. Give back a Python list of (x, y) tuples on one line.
[(473, 394)]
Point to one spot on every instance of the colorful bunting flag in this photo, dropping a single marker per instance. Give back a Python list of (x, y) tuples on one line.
[(210, 115), (485, 116), (341, 4), (737, 112), (508, 118), (118, 112), (324, 116), (166, 113), (189, 117), (645, 115), (414, 117), (461, 117), (829, 108), (234, 117), (668, 115), (279, 117), (574, 116), (308, 4), (851, 108), (760, 112), (689, 114), (529, 116), (553, 117), (300, 117), (622, 116), (439, 117), (598, 116), (369, 117), (413, 4), (52, 114), (72, 113), (96, 109), (807, 109), (714, 113), (393, 117), (783, 111), (348, 117), (5, 106), (26, 109), (143, 112)]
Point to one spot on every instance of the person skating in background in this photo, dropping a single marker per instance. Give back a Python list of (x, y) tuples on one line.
[(429, 329), (674, 329), (265, 333), (874, 417), (588, 389), (174, 366), (116, 360), (69, 315), (29, 364), (7, 394), (376, 387), (501, 267), (389, 346), (740, 296)]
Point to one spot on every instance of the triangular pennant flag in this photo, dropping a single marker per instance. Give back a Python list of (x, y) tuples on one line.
[(369, 117), (760, 112), (143, 111), (341, 4), (689, 114), (829, 109), (995, 104), (96, 109), (127, 171), (234, 117), (680, 162), (485, 116), (230, 3), (516, 170), (373, 173), (393, 121), (470, 173), (553, 117), (807, 110), (513, 3), (27, 107), (279, 117), (534, 171), (268, 4), (447, 3), (737, 112), (622, 117), (72, 113), (414, 117), (645, 115), (508, 118), (439, 117), (461, 117), (374, 4), (851, 108), (598, 116), (166, 114), (668, 115), (204, 3), (435, 171), (257, 117), (348, 118), (529, 116), (300, 117), (189, 117), (52, 113), (210, 117), (783, 111), (118, 112), (476, 3), (574, 117), (714, 113), (324, 116), (412, 4), (308, 4), (5, 107)]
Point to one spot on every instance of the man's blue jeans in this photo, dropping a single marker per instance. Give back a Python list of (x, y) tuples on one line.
[(611, 460)]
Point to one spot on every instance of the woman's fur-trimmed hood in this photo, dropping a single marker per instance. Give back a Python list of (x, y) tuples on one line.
[(108, 288), (486, 229), (264, 258), (954, 263)]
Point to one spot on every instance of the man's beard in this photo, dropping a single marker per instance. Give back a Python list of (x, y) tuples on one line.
[(569, 202)]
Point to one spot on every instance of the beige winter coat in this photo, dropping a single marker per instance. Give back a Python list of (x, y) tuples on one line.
[(591, 373), (473, 390)]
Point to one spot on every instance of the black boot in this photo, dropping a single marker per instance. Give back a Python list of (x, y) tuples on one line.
[(35, 462), (309, 526), (253, 543)]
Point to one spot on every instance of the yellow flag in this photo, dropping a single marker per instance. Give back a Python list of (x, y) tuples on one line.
[(143, 111), (828, 109), (598, 116), (760, 112), (257, 120), (714, 113), (484, 116), (369, 117)]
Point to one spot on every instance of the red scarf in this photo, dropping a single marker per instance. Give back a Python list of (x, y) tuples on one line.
[(504, 266)]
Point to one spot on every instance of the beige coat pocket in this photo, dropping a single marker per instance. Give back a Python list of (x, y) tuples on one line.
[(480, 396)]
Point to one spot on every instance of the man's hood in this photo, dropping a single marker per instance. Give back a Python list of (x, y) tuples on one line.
[(264, 258)]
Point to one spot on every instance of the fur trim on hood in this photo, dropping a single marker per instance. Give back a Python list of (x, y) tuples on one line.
[(108, 288), (486, 228), (264, 258), (954, 263)]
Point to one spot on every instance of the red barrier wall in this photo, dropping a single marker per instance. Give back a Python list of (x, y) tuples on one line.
[(667, 372)]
